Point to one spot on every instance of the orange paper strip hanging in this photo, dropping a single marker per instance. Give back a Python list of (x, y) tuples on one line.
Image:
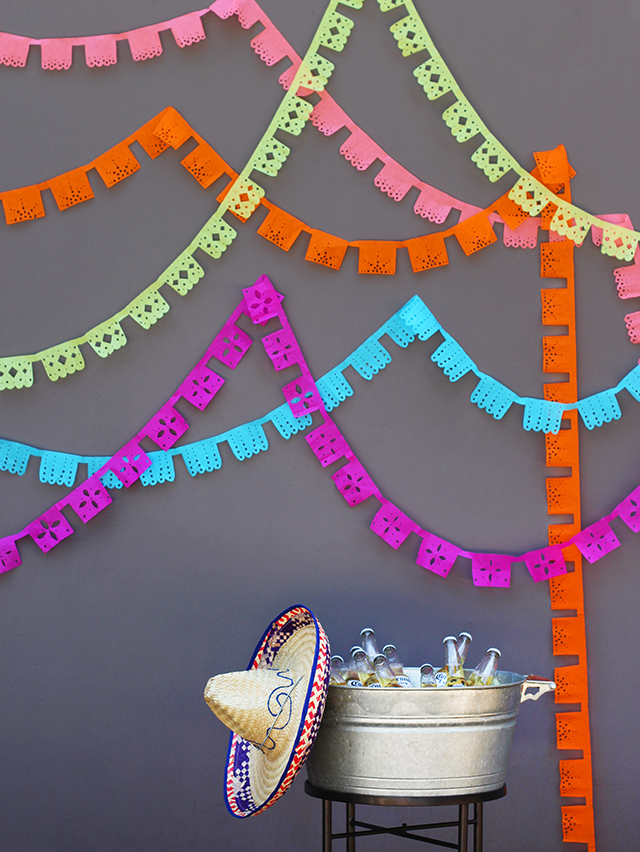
[(563, 498)]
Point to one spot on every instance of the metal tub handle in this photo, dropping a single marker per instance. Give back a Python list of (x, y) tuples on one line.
[(540, 684)]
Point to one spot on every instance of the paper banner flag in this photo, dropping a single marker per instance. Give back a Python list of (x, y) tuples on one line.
[(427, 252), (392, 525), (433, 205), (145, 43), (56, 54), (129, 463), (14, 50), (434, 78), (475, 233), (328, 443), (200, 387), (89, 499), (21, 205), (596, 541), (9, 556), (395, 180), (326, 249), (281, 228), (546, 563), (100, 51), (302, 396), (116, 165), (629, 510), (49, 529), (491, 569), (205, 164), (282, 348), (360, 150), (71, 188), (188, 29), (628, 281), (166, 427), (354, 483), (230, 345), (262, 300), (436, 554), (377, 258)]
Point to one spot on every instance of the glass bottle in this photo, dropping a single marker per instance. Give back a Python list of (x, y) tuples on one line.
[(341, 666), (391, 654), (336, 676), (369, 643), (366, 672), (462, 646), (384, 673), (426, 675), (484, 672), (451, 674)]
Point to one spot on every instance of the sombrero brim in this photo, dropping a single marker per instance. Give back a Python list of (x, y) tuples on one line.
[(240, 795)]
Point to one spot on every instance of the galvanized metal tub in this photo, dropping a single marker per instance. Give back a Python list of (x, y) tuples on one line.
[(419, 742)]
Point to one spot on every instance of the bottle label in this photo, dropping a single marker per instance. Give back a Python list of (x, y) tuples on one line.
[(403, 680), (375, 686), (441, 679), (354, 683)]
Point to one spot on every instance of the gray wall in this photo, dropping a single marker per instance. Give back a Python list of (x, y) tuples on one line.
[(108, 640)]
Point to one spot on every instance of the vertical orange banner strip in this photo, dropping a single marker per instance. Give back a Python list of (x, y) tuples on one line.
[(563, 497)]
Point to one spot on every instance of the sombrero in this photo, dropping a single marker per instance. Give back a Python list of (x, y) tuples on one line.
[(274, 710)]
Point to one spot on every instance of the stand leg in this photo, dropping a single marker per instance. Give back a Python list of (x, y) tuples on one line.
[(463, 827), (326, 825), (351, 815), (477, 832)]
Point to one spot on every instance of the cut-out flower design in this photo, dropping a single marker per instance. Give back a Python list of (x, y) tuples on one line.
[(201, 386), (303, 396), (261, 300), (166, 427), (49, 530), (231, 345), (436, 554), (9, 556), (629, 510), (282, 348), (596, 541), (392, 525), (89, 499), (546, 563), (327, 443), (354, 483), (491, 569), (129, 464)]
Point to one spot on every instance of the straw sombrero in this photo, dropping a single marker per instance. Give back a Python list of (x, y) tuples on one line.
[(274, 710)]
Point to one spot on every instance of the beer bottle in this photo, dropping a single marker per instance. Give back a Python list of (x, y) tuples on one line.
[(451, 674), (484, 672), (383, 672), (366, 672), (462, 646), (369, 643), (426, 675), (391, 654), (336, 676), (341, 666)]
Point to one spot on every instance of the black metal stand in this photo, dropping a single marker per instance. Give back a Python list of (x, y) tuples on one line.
[(352, 799)]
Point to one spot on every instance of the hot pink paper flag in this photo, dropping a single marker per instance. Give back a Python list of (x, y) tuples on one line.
[(491, 569), (303, 396), (436, 554), (596, 541), (89, 499), (629, 510), (14, 50), (282, 347), (9, 556), (328, 443), (49, 529), (270, 45), (230, 345), (262, 300), (166, 427), (56, 54), (130, 463), (392, 525), (546, 563), (200, 387), (354, 483)]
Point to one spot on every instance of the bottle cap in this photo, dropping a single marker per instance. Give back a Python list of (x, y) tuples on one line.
[(426, 666), (366, 631), (468, 635), (378, 659), (355, 650), (336, 658), (494, 651), (448, 639), (389, 649)]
